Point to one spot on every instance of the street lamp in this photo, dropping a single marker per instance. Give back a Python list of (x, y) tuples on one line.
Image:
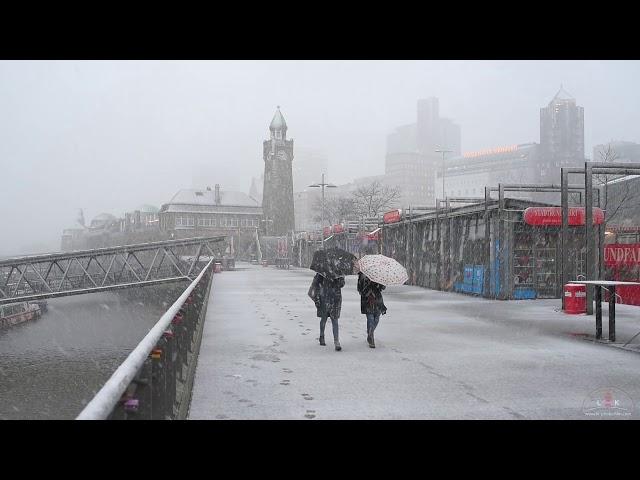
[(443, 151), (317, 185)]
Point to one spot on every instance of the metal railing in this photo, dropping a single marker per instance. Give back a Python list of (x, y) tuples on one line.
[(155, 380), (39, 277)]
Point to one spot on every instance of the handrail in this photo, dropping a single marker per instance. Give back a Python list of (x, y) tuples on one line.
[(101, 406)]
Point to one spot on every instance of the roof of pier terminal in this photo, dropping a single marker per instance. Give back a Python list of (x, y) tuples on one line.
[(202, 200), (512, 204)]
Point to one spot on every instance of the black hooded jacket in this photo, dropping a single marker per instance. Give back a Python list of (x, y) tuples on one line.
[(326, 293), (370, 296)]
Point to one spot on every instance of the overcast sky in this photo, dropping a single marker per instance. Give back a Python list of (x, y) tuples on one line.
[(109, 136)]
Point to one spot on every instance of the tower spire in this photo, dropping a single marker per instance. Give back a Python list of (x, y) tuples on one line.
[(278, 122)]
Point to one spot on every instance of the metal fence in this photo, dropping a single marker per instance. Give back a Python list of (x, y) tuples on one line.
[(156, 379)]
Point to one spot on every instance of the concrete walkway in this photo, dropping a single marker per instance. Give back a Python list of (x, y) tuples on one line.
[(439, 356)]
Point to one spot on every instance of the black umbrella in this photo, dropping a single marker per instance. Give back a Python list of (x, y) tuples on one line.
[(333, 262)]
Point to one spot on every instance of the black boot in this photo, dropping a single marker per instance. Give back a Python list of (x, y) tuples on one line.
[(337, 344), (370, 339), (322, 340)]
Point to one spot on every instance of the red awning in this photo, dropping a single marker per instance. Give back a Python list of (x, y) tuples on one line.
[(552, 216)]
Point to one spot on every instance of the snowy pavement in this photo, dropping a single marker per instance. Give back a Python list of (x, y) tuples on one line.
[(439, 355)]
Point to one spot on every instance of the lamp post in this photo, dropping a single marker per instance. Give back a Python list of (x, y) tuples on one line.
[(322, 185), (443, 151)]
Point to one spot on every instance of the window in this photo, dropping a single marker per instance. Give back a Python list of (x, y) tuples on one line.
[(178, 221), (201, 222), (213, 222)]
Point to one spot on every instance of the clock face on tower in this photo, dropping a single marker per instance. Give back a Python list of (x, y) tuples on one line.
[(282, 155)]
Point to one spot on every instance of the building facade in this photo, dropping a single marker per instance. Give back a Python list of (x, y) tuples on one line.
[(561, 136), (277, 198), (106, 230), (195, 212), (412, 161), (407, 168), (468, 174)]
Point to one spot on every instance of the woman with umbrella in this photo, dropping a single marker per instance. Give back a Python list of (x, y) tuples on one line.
[(371, 304), (331, 266), (376, 271), (327, 295)]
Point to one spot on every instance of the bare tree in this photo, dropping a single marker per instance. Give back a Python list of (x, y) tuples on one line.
[(612, 204), (336, 209), (373, 199)]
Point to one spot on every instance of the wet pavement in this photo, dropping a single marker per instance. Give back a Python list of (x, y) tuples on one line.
[(439, 355)]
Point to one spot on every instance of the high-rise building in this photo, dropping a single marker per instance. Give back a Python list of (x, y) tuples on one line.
[(434, 131), (407, 168), (561, 135), (412, 160), (277, 198)]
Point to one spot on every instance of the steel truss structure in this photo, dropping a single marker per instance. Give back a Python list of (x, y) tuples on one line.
[(592, 271), (103, 269)]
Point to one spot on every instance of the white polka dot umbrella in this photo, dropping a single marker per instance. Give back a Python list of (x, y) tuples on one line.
[(383, 270)]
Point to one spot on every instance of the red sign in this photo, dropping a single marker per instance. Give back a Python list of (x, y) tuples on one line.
[(392, 217), (552, 216), (326, 231), (617, 254), (338, 228)]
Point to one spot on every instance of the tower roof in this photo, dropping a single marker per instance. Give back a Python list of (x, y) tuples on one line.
[(278, 123), (563, 95)]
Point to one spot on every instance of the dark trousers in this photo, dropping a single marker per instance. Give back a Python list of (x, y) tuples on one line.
[(334, 324), (372, 321)]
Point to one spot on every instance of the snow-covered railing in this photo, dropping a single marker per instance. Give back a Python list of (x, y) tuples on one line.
[(154, 362)]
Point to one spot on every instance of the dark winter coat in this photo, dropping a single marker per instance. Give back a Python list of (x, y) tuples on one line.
[(370, 296), (327, 295)]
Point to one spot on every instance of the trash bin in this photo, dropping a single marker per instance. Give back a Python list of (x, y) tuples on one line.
[(217, 267), (264, 263), (575, 298)]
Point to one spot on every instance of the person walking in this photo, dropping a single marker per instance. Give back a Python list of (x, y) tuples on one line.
[(327, 295), (371, 304)]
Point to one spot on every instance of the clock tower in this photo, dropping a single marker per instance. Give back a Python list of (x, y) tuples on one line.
[(277, 198)]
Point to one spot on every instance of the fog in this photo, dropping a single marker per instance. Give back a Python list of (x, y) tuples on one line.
[(108, 136)]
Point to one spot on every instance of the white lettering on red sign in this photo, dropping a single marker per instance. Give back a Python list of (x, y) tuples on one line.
[(622, 254)]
